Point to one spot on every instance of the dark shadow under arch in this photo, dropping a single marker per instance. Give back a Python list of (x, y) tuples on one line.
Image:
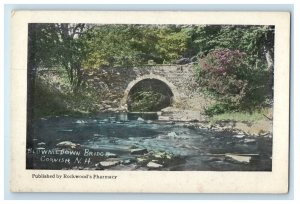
[(149, 95)]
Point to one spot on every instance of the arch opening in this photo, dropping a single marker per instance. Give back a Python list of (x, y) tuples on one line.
[(149, 95)]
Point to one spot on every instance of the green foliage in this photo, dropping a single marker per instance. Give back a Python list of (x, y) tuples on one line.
[(145, 101), (254, 116), (132, 45), (234, 62), (48, 101), (253, 40), (57, 45), (57, 98), (230, 78), (219, 108), (108, 46), (43, 44), (172, 45), (236, 65)]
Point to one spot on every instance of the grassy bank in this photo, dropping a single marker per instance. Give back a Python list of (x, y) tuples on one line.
[(257, 115), (256, 123)]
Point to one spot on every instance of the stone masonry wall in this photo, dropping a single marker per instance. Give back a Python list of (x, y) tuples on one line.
[(115, 83)]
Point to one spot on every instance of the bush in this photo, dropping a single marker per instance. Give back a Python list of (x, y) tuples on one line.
[(218, 108), (228, 76), (222, 72)]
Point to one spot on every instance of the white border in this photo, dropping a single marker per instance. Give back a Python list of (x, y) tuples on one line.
[(208, 182)]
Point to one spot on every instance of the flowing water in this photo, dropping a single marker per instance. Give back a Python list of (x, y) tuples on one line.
[(174, 146)]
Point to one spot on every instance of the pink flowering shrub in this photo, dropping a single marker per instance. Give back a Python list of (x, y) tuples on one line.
[(224, 73)]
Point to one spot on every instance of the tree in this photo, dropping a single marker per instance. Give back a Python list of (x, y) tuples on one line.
[(70, 52), (256, 41), (110, 46), (57, 45), (134, 45)]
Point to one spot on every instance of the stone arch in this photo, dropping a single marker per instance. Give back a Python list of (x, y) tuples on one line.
[(145, 77)]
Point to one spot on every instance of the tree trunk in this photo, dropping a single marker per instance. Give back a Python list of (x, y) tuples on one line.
[(269, 58)]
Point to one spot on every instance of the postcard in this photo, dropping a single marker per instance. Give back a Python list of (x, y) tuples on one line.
[(166, 102)]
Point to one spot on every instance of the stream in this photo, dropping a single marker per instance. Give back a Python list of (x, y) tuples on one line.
[(121, 141)]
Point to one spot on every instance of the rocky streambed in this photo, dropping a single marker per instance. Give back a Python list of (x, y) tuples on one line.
[(119, 142)]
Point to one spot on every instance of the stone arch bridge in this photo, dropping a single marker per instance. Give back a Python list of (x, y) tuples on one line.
[(115, 84)]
